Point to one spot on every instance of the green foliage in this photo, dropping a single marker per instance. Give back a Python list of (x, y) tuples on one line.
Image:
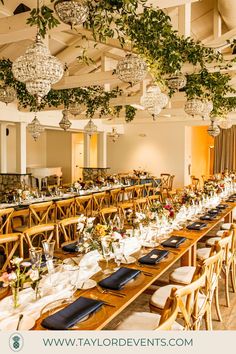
[(43, 18), (129, 113)]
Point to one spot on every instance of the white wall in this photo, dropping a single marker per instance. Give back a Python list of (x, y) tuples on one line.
[(36, 150), (161, 150), (59, 152)]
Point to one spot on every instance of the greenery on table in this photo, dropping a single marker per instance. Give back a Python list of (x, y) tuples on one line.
[(150, 35)]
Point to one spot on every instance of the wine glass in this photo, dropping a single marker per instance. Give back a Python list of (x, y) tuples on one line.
[(106, 251), (48, 248), (118, 250), (36, 256)]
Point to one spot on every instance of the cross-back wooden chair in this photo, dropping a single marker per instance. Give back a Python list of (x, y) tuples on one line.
[(127, 200), (12, 245), (107, 215), (115, 196), (99, 201), (192, 302), (5, 219), (69, 229), (152, 321), (36, 234), (84, 205), (65, 208), (195, 182), (39, 213)]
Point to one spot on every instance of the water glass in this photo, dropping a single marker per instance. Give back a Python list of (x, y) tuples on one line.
[(48, 248), (36, 256), (118, 250), (106, 252)]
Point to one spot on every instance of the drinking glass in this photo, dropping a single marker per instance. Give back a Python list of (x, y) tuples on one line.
[(48, 248), (106, 251), (36, 256), (118, 250)]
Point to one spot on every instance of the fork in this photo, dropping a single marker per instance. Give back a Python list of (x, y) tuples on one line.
[(105, 291)]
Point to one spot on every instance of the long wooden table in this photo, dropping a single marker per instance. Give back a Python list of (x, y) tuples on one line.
[(186, 253)]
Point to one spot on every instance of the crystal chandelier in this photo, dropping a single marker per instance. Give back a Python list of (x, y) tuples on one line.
[(72, 12), (154, 111), (153, 100), (225, 123), (114, 135), (65, 123), (207, 108), (213, 130), (193, 107), (131, 69), (7, 94), (176, 82), (35, 128), (75, 109), (38, 69), (90, 128)]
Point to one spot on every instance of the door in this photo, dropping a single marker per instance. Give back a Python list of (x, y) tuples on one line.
[(78, 160)]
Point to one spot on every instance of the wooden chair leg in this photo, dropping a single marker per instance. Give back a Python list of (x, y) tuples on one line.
[(233, 275), (217, 304), (227, 287), (207, 320)]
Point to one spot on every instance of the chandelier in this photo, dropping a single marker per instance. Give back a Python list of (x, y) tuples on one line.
[(38, 69), (131, 69), (35, 128), (213, 130), (225, 123), (153, 100), (90, 128), (177, 82), (207, 108), (65, 123), (7, 94), (114, 135), (194, 107), (75, 109), (72, 12)]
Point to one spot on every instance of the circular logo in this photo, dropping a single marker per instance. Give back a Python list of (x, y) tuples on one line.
[(16, 342)]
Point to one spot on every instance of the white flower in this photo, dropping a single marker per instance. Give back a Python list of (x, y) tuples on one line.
[(81, 249), (26, 264), (12, 276), (16, 260), (86, 244), (34, 274)]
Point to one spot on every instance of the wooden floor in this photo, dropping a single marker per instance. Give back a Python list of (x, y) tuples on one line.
[(141, 304)]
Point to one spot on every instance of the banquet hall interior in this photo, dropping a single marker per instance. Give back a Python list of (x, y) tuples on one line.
[(117, 165)]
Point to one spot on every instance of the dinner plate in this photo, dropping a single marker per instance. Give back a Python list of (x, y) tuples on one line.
[(128, 260), (10, 323), (87, 284), (150, 245)]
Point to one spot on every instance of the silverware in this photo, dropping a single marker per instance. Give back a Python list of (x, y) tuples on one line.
[(19, 321), (105, 291), (108, 304), (146, 265), (147, 274)]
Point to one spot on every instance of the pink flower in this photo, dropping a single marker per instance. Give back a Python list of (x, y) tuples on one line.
[(5, 279)]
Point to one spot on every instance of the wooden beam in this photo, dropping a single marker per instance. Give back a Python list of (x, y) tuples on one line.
[(217, 21), (221, 42), (163, 4), (184, 19)]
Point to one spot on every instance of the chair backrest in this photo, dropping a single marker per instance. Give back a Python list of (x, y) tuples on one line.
[(169, 313), (11, 245), (195, 182), (39, 213), (115, 196), (69, 227), (99, 201), (190, 306), (128, 193), (171, 181), (165, 180), (226, 243), (38, 233), (65, 208), (84, 205), (5, 218)]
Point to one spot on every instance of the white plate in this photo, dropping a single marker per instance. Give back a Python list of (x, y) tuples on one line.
[(87, 284), (150, 244), (10, 323), (128, 260)]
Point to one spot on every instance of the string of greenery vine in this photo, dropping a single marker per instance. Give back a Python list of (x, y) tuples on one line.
[(153, 38)]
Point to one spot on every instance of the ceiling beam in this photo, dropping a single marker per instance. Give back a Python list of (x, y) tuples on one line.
[(163, 4)]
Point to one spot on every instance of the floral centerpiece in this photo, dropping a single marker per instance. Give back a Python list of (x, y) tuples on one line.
[(17, 274)]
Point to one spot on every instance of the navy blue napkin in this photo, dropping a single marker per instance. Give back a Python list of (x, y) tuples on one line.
[(196, 226), (118, 279), (173, 241), (230, 200), (71, 314), (153, 257), (222, 206), (213, 211), (207, 217), (71, 247)]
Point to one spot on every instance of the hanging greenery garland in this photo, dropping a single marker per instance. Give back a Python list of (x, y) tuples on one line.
[(154, 39)]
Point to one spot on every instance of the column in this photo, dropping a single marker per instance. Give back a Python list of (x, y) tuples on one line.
[(86, 150), (3, 148), (21, 147), (102, 149)]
